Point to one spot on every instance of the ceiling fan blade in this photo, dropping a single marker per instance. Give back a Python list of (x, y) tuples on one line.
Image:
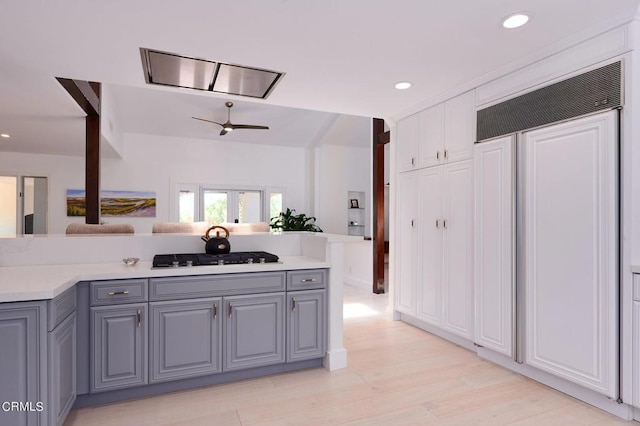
[(208, 121), (223, 132), (250, 126)]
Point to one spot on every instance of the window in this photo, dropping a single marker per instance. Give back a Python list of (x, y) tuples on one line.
[(197, 203)]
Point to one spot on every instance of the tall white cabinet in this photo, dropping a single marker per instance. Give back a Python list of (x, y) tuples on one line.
[(494, 281), (570, 251), (435, 217)]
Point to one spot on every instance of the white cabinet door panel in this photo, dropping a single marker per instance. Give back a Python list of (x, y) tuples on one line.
[(432, 136), (494, 244), (460, 127), (570, 243), (636, 351), (407, 242), (431, 233), (408, 142), (457, 283)]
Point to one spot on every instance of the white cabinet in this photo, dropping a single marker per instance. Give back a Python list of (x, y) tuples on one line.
[(570, 251), (408, 243), (445, 248), (494, 278), (457, 271), (441, 134), (636, 340), (408, 142)]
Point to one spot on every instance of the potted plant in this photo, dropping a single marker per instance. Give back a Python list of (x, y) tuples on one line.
[(288, 221)]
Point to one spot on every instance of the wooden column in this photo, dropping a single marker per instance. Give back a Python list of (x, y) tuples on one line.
[(87, 96), (380, 138)]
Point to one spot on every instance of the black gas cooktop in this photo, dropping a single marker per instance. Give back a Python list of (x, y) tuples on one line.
[(201, 259)]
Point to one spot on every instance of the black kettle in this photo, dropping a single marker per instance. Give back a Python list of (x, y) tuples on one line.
[(217, 244)]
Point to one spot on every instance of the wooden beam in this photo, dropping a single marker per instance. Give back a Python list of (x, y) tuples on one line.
[(84, 93), (384, 138), (378, 205), (92, 169)]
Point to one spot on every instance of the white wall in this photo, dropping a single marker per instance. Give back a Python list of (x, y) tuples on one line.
[(341, 169), (153, 163)]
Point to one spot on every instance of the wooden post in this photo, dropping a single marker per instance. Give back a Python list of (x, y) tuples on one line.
[(380, 138)]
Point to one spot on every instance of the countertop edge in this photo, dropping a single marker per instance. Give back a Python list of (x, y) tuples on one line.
[(45, 282)]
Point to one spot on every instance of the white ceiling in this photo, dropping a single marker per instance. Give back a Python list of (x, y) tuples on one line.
[(340, 57)]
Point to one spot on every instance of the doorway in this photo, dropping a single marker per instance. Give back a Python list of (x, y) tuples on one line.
[(24, 206)]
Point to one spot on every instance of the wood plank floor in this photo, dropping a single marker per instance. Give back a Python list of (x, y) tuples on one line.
[(397, 375)]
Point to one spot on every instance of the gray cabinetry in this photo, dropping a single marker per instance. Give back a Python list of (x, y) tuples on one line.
[(306, 279), (254, 330), (62, 370), (23, 331), (305, 325), (185, 339), (119, 346)]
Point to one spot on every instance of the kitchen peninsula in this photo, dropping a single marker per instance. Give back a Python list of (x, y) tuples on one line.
[(66, 299)]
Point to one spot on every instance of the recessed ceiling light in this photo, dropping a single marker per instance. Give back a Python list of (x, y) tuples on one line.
[(4, 135), (516, 20), (403, 85)]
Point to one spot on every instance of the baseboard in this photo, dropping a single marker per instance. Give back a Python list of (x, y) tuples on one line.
[(453, 338), (357, 282), (602, 402)]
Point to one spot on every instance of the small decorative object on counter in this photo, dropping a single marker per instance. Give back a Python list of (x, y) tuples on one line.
[(130, 261)]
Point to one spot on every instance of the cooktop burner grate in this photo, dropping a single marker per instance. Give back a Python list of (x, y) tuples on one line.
[(202, 259)]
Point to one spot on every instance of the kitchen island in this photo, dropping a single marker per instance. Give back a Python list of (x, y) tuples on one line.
[(53, 284)]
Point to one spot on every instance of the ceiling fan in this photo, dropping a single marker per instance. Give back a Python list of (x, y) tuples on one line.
[(229, 126)]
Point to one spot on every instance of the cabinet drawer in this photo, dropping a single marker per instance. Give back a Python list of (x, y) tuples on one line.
[(192, 287), (306, 279), (636, 287), (60, 307), (118, 291)]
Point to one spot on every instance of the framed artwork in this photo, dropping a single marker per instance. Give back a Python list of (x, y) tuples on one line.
[(114, 203), (354, 203)]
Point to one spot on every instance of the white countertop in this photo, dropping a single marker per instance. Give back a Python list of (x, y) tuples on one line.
[(21, 283)]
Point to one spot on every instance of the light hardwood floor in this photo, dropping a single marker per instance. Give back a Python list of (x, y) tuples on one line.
[(397, 375)]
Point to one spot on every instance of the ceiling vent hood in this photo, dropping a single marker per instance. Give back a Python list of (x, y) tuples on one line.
[(170, 69)]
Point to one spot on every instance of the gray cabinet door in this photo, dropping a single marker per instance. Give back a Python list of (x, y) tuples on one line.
[(22, 367), (119, 347), (306, 325), (62, 370), (185, 339), (254, 330)]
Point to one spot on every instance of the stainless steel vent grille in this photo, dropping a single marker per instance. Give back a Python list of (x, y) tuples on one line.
[(170, 69), (586, 93)]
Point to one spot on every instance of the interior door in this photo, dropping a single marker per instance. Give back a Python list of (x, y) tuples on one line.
[(570, 250)]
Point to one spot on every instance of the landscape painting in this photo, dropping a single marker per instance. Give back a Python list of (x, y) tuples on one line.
[(114, 203)]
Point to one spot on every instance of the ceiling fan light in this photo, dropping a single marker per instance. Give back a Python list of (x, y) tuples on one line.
[(228, 129)]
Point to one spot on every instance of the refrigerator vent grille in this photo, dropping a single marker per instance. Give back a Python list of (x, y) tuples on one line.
[(586, 93)]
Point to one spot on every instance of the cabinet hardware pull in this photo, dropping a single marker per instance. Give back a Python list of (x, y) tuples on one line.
[(215, 310), (118, 293), (446, 153), (229, 310), (412, 223), (139, 315), (413, 161), (293, 304), (438, 223), (308, 280), (437, 155), (444, 223)]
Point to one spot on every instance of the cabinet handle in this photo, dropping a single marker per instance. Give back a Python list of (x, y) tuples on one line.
[(139, 316), (437, 155), (413, 161), (229, 310), (118, 293), (446, 154), (215, 310), (412, 223), (308, 280), (444, 223), (293, 304), (438, 223)]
